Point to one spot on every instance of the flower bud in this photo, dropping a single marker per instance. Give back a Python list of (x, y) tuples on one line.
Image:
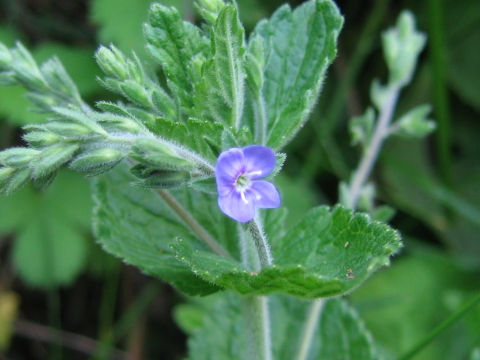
[(112, 62), (17, 157), (97, 161), (159, 155)]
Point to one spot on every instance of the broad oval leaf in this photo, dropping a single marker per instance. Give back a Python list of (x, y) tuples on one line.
[(329, 253), (299, 46)]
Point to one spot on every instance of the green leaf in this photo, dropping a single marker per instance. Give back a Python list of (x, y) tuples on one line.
[(361, 127), (220, 96), (398, 320), (299, 46), (401, 46), (137, 225), (201, 137), (174, 43), (78, 62), (48, 255), (223, 333), (415, 124), (49, 247), (329, 253)]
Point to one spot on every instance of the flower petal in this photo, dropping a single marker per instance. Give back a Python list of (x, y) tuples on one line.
[(230, 163), (265, 194), (259, 161), (234, 206)]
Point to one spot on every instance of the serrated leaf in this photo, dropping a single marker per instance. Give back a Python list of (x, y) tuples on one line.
[(220, 96), (299, 46), (223, 332), (136, 225), (202, 137), (173, 43), (329, 253)]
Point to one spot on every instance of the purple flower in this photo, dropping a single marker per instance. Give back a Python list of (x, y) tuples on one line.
[(240, 191)]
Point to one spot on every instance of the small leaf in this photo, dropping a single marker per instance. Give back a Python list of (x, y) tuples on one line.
[(220, 96), (299, 46), (401, 47), (174, 43), (329, 253), (361, 128), (415, 124)]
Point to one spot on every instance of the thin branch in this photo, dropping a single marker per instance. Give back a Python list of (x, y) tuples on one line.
[(67, 339), (313, 316), (369, 158), (198, 229)]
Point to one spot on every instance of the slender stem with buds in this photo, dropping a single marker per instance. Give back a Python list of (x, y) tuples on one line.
[(359, 179)]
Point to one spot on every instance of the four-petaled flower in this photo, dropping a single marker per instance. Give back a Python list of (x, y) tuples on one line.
[(240, 191)]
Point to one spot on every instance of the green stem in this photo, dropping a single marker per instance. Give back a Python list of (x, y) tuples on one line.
[(440, 328), (198, 229), (261, 243), (258, 318), (313, 316), (256, 307), (369, 158)]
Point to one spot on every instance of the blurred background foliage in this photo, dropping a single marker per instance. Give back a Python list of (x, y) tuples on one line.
[(52, 274)]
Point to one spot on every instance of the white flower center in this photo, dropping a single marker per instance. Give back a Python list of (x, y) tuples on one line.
[(242, 184)]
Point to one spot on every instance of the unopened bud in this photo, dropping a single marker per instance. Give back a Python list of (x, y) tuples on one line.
[(112, 62), (17, 157), (97, 161)]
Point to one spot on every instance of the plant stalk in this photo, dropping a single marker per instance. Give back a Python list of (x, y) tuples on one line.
[(359, 179), (198, 229), (314, 314), (370, 155), (256, 307)]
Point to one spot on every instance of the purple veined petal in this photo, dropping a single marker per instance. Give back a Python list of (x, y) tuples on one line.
[(230, 163), (259, 161), (265, 194), (234, 206)]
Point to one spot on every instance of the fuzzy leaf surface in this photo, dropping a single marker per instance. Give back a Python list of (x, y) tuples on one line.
[(136, 225), (223, 333), (299, 46), (173, 43), (220, 94), (329, 253)]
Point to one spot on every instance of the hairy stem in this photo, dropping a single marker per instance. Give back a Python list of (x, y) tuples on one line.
[(258, 318), (359, 179), (198, 229), (369, 158), (256, 307), (261, 243), (312, 319)]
